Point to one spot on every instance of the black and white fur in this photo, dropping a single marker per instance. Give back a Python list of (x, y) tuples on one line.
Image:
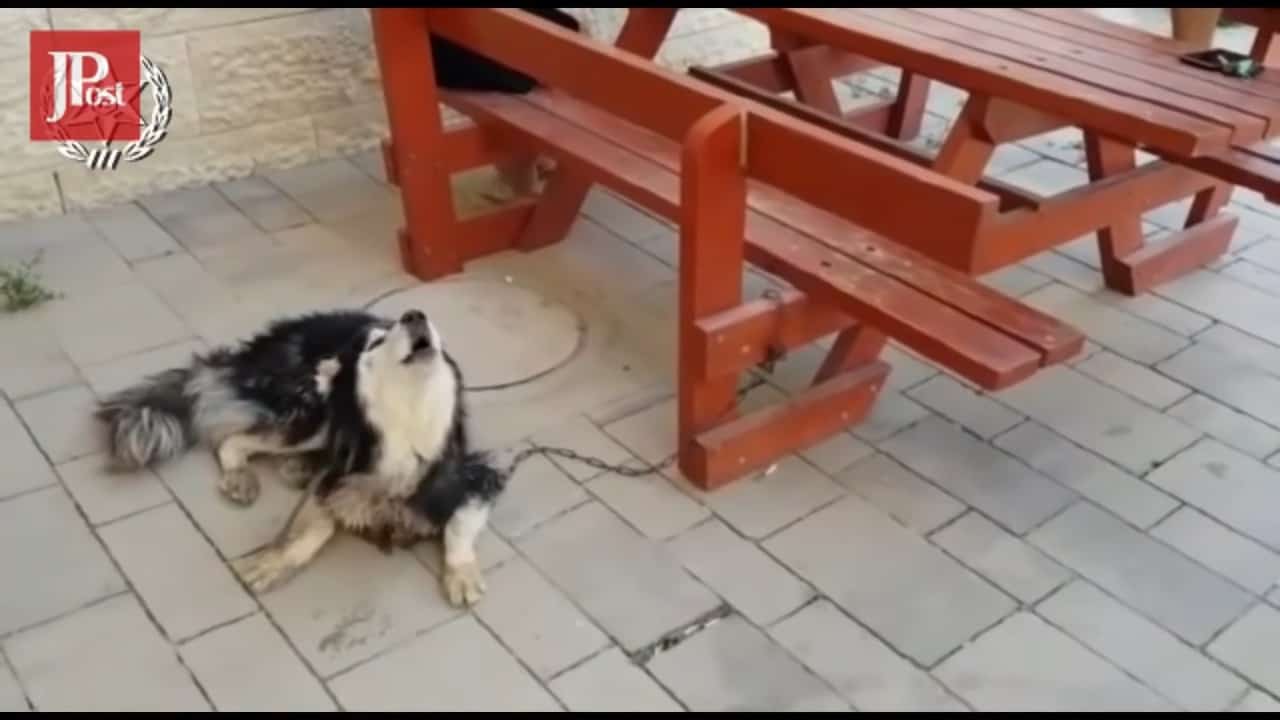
[(374, 407)]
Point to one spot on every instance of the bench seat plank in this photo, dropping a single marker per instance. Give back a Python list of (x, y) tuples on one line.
[(1042, 332), (944, 316), (1251, 166)]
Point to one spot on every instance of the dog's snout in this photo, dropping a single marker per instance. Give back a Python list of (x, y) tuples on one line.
[(413, 317)]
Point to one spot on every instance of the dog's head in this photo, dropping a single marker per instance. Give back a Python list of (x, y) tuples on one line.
[(400, 366), (394, 380), (408, 347)]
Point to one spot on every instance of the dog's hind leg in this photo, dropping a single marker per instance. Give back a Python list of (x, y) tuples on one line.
[(238, 482), (308, 532), (463, 582)]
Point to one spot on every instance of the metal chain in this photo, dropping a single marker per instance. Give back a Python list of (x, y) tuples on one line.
[(772, 356), (623, 469)]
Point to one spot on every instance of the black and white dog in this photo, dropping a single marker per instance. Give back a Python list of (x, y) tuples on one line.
[(373, 406)]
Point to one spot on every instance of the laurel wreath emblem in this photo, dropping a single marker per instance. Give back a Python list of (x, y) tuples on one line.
[(155, 129)]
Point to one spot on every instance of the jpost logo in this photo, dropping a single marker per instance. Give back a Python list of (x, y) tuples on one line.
[(88, 85)]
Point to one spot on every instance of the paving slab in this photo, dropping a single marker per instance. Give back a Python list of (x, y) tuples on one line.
[(126, 667), (1113, 514), (50, 561), (996, 674)]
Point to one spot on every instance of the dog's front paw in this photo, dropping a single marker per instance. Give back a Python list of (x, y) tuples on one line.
[(264, 570), (464, 584), (239, 486)]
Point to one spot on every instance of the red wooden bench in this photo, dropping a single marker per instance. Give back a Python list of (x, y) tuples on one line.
[(1029, 71), (746, 183)]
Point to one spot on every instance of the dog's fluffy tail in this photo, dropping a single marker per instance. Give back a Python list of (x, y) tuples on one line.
[(150, 422)]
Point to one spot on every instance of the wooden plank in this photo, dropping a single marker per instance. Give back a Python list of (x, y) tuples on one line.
[(853, 347), (1241, 167), (770, 71), (1166, 258), (767, 71), (429, 247), (1037, 330), (803, 162), (1023, 233), (954, 28), (1154, 51), (713, 210), (784, 151), (1266, 151), (742, 337), (757, 440), (1075, 18), (939, 332), (1078, 102), (1010, 195), (990, 22), (1139, 39), (493, 231)]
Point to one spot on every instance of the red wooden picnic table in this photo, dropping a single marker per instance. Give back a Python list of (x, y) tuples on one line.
[(1029, 71)]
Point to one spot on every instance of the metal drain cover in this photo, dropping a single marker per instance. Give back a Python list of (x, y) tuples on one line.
[(500, 334)]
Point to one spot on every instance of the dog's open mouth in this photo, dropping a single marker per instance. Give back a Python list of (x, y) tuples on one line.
[(418, 349), (419, 331)]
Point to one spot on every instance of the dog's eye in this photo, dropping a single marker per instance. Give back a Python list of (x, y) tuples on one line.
[(376, 342)]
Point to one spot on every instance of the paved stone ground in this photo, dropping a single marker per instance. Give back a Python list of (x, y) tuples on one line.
[(1102, 537)]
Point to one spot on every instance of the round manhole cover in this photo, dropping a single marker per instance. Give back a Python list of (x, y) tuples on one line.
[(499, 334)]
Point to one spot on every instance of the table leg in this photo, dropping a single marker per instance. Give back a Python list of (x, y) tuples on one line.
[(1105, 158), (429, 240), (809, 70), (968, 146), (1264, 49), (1130, 264), (713, 195), (907, 113), (566, 191)]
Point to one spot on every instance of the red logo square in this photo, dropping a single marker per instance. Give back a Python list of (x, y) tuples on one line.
[(86, 85)]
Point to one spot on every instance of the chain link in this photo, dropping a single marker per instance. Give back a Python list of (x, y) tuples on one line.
[(623, 469), (772, 355)]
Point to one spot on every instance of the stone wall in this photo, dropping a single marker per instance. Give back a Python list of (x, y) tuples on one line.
[(252, 88)]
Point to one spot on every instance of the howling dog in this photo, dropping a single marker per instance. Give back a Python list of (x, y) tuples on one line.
[(370, 408)]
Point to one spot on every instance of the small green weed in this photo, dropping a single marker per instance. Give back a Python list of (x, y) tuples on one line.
[(20, 287)]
